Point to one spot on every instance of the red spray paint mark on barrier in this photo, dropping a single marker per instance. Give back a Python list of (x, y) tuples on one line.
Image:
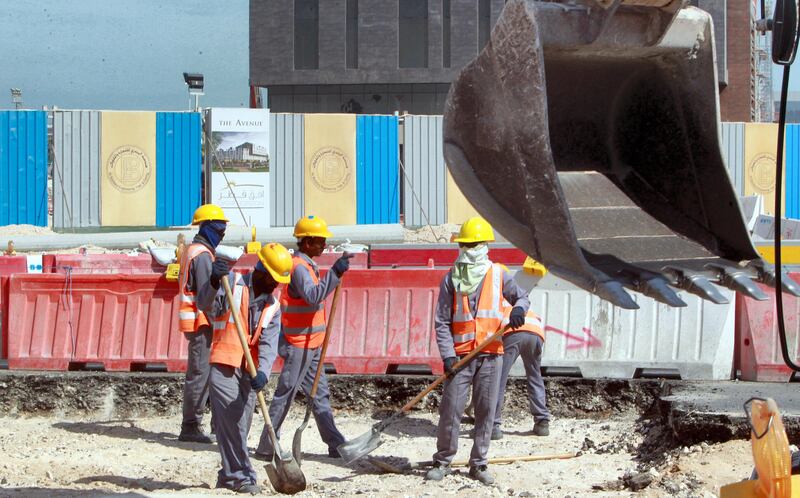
[(588, 340)]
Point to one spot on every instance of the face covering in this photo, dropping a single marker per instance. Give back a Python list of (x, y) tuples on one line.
[(212, 231), (470, 267)]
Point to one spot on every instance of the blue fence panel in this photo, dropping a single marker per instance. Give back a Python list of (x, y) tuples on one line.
[(792, 169), (23, 168), (377, 174), (178, 167)]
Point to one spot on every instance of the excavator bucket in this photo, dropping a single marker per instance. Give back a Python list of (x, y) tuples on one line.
[(587, 133)]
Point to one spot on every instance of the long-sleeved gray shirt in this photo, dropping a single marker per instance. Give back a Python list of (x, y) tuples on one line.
[(302, 285), (199, 276), (443, 320), (268, 343)]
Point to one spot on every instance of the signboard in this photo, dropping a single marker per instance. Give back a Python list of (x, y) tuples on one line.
[(240, 163)]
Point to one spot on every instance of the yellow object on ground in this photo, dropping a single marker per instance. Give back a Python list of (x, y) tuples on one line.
[(128, 168), (534, 267), (330, 166), (311, 226), (458, 207), (790, 254), (208, 212), (253, 246), (173, 272), (475, 229), (277, 260), (760, 141)]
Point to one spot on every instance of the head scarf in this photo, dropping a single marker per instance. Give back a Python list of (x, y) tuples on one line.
[(212, 231), (470, 268)]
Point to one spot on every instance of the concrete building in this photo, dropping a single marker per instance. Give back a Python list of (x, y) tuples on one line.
[(244, 152), (381, 56)]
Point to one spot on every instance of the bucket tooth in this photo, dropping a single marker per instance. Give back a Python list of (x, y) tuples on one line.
[(697, 284), (658, 288), (615, 293), (739, 281), (766, 275)]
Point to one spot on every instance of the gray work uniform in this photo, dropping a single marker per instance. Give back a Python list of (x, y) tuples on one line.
[(300, 366), (483, 373), (232, 398), (195, 387), (529, 346)]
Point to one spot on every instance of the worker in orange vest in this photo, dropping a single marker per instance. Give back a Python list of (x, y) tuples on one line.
[(233, 391), (198, 283), (470, 309), (526, 341), (303, 330)]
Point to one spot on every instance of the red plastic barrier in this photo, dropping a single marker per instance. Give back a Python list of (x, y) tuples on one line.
[(121, 321), (10, 265), (3, 317), (443, 255), (759, 350), (101, 264), (325, 260), (385, 320)]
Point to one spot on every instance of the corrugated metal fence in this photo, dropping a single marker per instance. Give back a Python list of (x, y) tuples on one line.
[(377, 194), (792, 175), (76, 169), (424, 171), (285, 169), (23, 168), (178, 167), (733, 153)]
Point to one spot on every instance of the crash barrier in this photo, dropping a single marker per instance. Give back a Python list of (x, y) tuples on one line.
[(13, 264), (359, 261), (588, 336), (100, 264), (3, 317), (111, 322), (435, 255), (759, 351)]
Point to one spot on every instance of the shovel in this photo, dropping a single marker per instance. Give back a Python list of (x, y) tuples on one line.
[(298, 434), (283, 472), (392, 469), (364, 444)]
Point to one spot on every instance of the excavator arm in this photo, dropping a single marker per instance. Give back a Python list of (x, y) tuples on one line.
[(587, 133)]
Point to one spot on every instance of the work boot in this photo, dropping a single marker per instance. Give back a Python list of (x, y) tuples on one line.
[(481, 473), (438, 472), (497, 433), (249, 488), (193, 434), (333, 452), (541, 428)]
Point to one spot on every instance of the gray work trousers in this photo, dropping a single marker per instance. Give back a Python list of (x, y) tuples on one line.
[(299, 368), (232, 403), (195, 388), (530, 347), (483, 373)]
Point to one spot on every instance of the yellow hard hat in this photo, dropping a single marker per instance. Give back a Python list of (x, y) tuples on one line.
[(475, 229), (208, 212), (278, 262), (311, 226)]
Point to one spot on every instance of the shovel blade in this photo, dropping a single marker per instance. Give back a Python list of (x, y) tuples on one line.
[(352, 450), (297, 440), (286, 476)]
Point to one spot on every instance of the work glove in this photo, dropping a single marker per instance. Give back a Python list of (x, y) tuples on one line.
[(259, 381), (448, 364), (219, 269), (517, 317), (342, 264)]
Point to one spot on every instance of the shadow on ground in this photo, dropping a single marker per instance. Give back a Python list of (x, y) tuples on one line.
[(127, 429), (64, 493), (145, 483)]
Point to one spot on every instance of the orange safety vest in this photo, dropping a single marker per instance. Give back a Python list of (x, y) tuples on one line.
[(469, 331), (533, 324), (303, 323), (189, 317), (226, 347)]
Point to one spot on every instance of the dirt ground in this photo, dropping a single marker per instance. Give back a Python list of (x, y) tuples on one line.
[(142, 457)]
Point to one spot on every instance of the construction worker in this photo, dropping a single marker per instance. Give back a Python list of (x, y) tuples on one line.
[(232, 389), (197, 286), (470, 309), (528, 341), (303, 320)]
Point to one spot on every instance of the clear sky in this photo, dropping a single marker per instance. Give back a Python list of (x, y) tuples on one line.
[(123, 54)]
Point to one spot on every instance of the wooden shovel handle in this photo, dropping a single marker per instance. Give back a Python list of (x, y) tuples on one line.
[(460, 363), (328, 328)]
